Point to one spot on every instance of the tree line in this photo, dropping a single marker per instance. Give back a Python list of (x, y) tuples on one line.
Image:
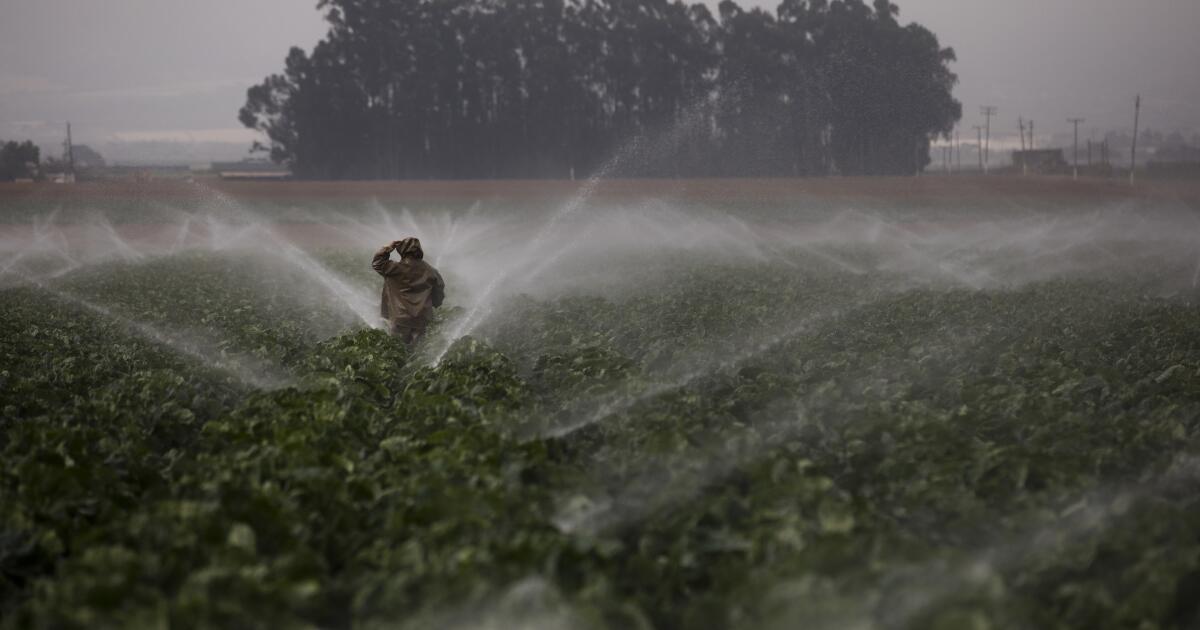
[(19, 160), (402, 89)]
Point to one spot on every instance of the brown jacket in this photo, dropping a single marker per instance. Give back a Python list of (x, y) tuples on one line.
[(411, 289)]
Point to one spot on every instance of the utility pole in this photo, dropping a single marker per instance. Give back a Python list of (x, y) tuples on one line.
[(1076, 122), (1137, 112), (1031, 134), (70, 153), (979, 132), (1024, 156), (988, 111), (958, 151)]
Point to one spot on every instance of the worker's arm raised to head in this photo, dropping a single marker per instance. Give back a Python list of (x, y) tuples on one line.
[(382, 263)]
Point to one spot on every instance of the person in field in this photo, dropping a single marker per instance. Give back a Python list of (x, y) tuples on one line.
[(411, 289)]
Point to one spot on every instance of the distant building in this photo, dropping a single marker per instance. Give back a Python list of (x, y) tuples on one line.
[(148, 172), (55, 173), (87, 158), (1043, 161), (1177, 153), (82, 163), (251, 170), (1175, 161)]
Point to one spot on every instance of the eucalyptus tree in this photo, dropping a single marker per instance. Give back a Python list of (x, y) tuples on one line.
[(889, 87), (555, 88), (754, 110), (19, 160)]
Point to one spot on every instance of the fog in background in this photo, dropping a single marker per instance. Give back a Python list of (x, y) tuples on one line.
[(163, 79)]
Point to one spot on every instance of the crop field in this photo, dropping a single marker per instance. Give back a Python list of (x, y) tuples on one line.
[(712, 405)]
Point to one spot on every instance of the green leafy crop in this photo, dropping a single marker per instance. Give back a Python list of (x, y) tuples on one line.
[(825, 451)]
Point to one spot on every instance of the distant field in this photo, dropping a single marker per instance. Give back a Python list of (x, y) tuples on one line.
[(932, 188), (148, 212)]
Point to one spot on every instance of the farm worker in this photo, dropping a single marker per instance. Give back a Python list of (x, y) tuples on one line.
[(411, 289)]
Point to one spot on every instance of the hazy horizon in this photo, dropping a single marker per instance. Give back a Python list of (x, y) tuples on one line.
[(166, 78)]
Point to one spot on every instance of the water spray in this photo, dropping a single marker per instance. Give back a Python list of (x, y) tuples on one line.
[(256, 373)]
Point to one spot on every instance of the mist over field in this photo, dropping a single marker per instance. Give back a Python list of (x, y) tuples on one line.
[(567, 314), (968, 380)]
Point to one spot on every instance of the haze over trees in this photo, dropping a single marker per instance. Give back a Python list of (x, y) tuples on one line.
[(560, 88), (19, 160)]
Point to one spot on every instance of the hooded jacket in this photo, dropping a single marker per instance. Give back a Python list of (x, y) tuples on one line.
[(411, 288)]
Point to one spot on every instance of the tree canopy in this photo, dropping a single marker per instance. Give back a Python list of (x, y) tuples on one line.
[(19, 160), (404, 89)]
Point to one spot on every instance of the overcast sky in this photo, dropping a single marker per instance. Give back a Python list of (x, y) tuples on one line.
[(129, 70)]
